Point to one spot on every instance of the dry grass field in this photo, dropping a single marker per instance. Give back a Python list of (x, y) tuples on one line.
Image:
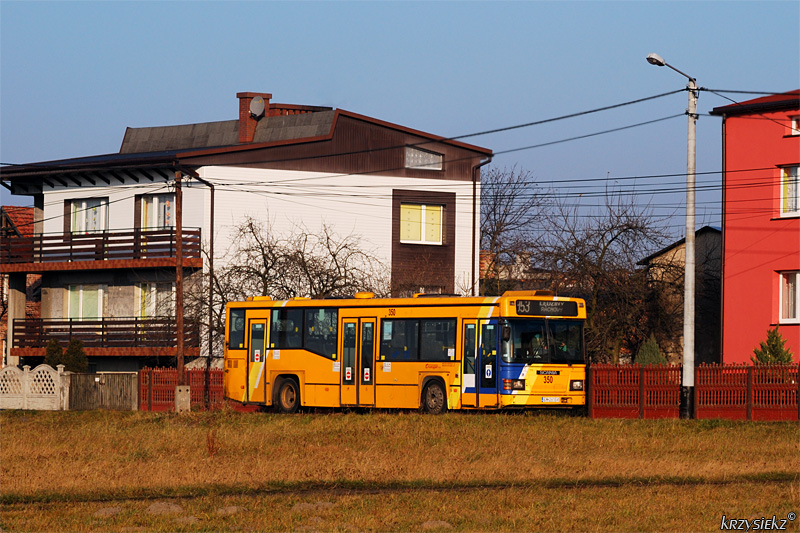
[(110, 471)]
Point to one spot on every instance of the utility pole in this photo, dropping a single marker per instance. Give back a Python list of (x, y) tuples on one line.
[(182, 393), (687, 378)]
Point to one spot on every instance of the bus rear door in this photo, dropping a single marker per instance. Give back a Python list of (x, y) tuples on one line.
[(256, 360)]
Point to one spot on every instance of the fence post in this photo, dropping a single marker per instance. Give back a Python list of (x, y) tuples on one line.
[(150, 390), (26, 385), (693, 414), (750, 370), (642, 393), (590, 390)]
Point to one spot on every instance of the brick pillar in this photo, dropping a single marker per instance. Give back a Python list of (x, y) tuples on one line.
[(16, 309)]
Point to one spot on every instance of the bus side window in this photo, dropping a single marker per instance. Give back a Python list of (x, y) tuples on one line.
[(438, 341), (321, 331), (399, 338), (286, 328), (236, 329)]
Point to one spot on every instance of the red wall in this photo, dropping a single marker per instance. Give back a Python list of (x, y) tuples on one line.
[(757, 242)]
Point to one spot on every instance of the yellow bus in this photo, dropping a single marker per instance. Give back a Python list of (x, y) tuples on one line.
[(523, 349)]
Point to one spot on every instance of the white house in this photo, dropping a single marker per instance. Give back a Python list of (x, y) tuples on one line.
[(104, 236)]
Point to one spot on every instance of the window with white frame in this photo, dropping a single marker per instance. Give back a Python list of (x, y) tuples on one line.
[(89, 215), (85, 301), (421, 224), (155, 299), (789, 191), (794, 125), (158, 211), (423, 159), (790, 298)]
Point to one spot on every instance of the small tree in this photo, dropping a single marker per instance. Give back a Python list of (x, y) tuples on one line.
[(75, 358), (54, 354), (649, 353), (773, 351)]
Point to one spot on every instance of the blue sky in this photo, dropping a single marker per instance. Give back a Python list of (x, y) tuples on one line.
[(74, 75)]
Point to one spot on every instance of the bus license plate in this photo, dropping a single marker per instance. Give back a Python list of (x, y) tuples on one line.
[(550, 399)]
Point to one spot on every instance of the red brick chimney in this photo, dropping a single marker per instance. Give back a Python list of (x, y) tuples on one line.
[(248, 122)]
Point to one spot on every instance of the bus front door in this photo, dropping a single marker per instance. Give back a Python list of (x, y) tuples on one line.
[(469, 393), (487, 363), (256, 361)]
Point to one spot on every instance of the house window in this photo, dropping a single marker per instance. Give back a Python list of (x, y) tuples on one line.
[(789, 191), (794, 125), (423, 160), (421, 224), (85, 301), (155, 299), (158, 211), (790, 299), (89, 215)]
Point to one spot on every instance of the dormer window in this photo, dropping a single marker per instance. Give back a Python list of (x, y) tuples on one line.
[(423, 159)]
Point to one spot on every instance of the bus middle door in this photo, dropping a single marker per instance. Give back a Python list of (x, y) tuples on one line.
[(358, 356), (366, 362), (487, 363), (349, 370)]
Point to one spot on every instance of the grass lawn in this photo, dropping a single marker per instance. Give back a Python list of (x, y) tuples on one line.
[(99, 471)]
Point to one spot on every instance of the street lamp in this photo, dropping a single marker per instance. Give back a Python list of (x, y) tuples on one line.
[(687, 380)]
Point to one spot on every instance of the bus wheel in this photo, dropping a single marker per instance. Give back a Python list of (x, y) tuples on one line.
[(433, 399), (287, 396)]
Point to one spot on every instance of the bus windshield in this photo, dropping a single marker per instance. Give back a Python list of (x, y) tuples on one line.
[(537, 341)]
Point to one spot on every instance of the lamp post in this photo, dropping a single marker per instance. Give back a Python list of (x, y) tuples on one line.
[(687, 379)]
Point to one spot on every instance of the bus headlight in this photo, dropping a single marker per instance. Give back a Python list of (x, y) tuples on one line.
[(576, 384), (513, 384)]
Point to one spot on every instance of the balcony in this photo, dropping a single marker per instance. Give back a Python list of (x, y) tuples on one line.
[(92, 251), (119, 336)]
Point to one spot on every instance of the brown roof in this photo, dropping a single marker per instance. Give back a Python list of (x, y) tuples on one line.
[(226, 133), (17, 220)]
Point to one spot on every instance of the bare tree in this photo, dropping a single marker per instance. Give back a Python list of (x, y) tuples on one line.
[(512, 208), (262, 263), (593, 255)]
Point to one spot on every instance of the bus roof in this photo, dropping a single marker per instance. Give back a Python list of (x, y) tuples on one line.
[(421, 300)]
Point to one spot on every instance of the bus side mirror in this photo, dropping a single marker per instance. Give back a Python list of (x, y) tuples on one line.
[(506, 333)]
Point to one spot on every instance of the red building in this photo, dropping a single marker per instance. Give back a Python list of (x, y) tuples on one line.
[(761, 223)]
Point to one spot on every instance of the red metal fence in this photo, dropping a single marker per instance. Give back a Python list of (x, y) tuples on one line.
[(737, 392), (157, 388)]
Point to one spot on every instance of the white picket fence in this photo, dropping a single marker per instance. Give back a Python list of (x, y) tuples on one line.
[(42, 388)]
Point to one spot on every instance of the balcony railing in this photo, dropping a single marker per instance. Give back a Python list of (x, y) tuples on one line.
[(118, 332), (135, 244)]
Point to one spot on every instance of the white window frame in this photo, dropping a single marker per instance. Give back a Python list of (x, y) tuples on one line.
[(82, 313), (78, 208), (794, 125), (423, 219), (789, 312), (415, 159), (147, 296), (150, 205), (786, 173)]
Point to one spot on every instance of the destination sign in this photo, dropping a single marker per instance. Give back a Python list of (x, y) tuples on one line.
[(547, 308)]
